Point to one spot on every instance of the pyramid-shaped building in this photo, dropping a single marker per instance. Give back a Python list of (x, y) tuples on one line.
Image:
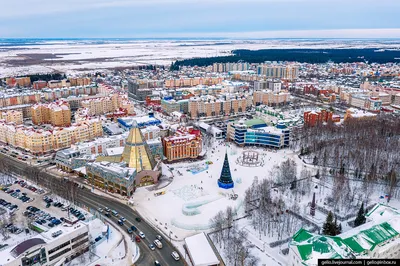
[(136, 151)]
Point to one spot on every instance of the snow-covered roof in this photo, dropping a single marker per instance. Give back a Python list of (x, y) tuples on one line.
[(200, 250)]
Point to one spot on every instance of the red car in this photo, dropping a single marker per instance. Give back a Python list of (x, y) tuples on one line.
[(137, 238)]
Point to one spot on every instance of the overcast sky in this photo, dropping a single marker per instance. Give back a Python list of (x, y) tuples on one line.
[(195, 18)]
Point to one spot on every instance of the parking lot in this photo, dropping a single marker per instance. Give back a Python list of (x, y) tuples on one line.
[(27, 204)]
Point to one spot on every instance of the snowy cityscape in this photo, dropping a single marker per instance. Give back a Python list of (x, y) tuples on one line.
[(199, 133)]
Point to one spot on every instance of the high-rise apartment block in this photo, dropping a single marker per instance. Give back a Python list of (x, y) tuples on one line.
[(57, 113), (226, 67), (288, 72)]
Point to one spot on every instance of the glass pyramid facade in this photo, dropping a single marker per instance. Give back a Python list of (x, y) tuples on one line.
[(136, 152)]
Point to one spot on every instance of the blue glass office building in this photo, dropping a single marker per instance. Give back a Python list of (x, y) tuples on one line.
[(257, 132)]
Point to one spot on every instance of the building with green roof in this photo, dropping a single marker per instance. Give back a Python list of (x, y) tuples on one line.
[(378, 238)]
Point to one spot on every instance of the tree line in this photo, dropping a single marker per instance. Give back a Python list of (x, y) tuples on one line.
[(298, 55)]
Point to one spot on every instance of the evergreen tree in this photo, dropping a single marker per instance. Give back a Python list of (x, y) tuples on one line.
[(360, 219), (328, 228)]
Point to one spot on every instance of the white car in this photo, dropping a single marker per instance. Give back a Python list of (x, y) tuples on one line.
[(175, 255), (142, 235), (100, 210), (123, 219), (158, 243), (159, 237)]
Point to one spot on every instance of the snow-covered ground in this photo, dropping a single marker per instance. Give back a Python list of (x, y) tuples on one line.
[(73, 56), (193, 198), (199, 192)]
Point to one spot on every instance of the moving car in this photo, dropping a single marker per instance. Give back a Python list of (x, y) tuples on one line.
[(142, 235), (152, 247), (159, 237), (137, 238), (158, 243), (175, 255)]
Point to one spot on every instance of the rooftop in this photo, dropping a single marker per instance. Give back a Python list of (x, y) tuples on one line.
[(200, 250)]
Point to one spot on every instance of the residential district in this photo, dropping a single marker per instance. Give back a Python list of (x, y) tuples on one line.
[(215, 165)]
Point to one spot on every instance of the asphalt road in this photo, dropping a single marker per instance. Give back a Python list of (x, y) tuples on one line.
[(85, 197)]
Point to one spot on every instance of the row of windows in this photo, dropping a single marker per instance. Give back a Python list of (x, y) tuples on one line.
[(60, 253), (79, 237), (86, 240), (59, 247)]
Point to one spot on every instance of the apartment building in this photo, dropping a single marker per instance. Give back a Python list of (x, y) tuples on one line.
[(39, 141), (80, 81), (140, 88), (59, 83), (170, 105), (205, 106), (12, 116), (192, 82), (54, 247), (21, 81), (57, 113), (51, 94), (226, 67), (39, 84), (313, 118), (270, 98), (287, 72), (273, 85), (184, 144), (110, 104)]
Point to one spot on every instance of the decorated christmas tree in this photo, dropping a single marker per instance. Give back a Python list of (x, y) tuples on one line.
[(225, 179)]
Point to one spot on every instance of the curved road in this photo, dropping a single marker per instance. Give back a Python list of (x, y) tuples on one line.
[(94, 201)]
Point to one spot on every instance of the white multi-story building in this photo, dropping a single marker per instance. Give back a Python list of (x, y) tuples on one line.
[(54, 247)]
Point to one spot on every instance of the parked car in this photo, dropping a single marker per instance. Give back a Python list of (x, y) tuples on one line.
[(133, 228), (152, 247), (138, 219), (159, 237), (137, 238), (129, 231), (142, 235)]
